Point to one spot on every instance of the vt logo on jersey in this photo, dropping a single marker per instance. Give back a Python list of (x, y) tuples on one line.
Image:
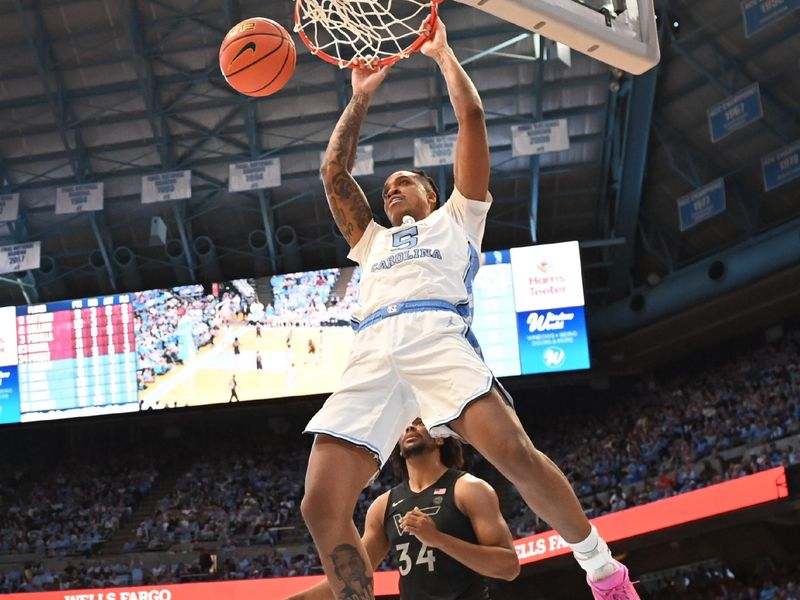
[(430, 511), (406, 241)]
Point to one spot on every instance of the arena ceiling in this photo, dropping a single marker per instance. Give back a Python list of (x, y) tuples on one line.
[(113, 90)]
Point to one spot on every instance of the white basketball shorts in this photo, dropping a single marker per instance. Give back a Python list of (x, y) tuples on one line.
[(412, 364)]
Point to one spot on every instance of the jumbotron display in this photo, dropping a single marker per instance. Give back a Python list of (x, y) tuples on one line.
[(529, 315), (76, 358), (277, 337)]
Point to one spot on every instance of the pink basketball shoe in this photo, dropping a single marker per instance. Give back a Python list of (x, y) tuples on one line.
[(614, 587)]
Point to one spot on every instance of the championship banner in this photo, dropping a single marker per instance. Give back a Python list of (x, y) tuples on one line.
[(364, 163), (435, 151), (759, 14), (175, 185), (20, 257), (79, 198), (254, 175), (781, 167), (9, 207), (538, 138), (735, 112), (701, 204)]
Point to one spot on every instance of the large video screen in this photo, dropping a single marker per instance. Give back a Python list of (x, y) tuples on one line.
[(288, 335), (274, 337), (529, 310)]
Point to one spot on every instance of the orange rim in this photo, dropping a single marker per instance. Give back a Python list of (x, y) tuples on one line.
[(353, 63)]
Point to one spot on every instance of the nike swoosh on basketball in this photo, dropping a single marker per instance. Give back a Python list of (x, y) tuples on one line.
[(247, 46), (396, 503)]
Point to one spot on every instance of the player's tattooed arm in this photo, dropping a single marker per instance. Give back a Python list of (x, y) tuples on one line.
[(353, 572), (346, 199)]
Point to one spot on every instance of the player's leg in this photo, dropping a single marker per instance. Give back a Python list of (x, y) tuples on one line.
[(337, 472), (366, 416), (493, 428), (457, 393)]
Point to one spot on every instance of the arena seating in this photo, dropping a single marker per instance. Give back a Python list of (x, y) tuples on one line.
[(238, 499)]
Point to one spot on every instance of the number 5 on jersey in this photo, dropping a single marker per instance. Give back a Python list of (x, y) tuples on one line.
[(405, 239), (425, 557)]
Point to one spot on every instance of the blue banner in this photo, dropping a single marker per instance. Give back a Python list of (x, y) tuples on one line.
[(9, 395), (759, 14), (781, 167), (701, 204), (553, 340), (735, 112)]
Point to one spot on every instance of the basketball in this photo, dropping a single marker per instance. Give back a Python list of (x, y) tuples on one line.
[(257, 57)]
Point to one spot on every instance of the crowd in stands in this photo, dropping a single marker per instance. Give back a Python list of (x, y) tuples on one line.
[(341, 309), (229, 564), (670, 439), (767, 581), (301, 299), (72, 511), (243, 498), (170, 326), (703, 427)]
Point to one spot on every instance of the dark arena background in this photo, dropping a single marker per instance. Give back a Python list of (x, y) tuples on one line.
[(166, 241)]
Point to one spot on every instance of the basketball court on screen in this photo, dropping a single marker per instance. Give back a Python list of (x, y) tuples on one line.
[(287, 369)]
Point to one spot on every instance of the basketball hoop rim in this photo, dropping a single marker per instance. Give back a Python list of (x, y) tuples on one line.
[(354, 63)]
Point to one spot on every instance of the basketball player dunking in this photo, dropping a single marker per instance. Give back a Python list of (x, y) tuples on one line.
[(412, 354), (443, 525)]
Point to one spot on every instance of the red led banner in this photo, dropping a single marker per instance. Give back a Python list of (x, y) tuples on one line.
[(676, 510), (669, 512), (386, 584)]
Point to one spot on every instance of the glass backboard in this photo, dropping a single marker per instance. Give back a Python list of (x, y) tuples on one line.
[(620, 33)]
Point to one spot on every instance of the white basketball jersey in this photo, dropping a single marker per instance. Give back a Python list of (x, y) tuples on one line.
[(433, 259)]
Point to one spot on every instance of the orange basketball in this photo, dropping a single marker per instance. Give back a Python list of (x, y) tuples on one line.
[(257, 57)]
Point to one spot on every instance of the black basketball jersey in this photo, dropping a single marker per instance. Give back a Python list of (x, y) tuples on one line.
[(428, 573)]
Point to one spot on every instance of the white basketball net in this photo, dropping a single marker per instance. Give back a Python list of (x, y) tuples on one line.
[(365, 32)]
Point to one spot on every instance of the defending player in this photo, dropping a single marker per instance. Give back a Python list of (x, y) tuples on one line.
[(412, 354), (444, 526)]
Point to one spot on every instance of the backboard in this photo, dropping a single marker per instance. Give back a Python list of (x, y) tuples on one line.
[(621, 33)]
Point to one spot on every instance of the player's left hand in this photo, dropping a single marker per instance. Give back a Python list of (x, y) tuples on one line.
[(420, 525), (366, 79)]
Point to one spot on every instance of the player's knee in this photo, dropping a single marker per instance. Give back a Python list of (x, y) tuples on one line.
[(316, 507), (516, 455), (310, 507)]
